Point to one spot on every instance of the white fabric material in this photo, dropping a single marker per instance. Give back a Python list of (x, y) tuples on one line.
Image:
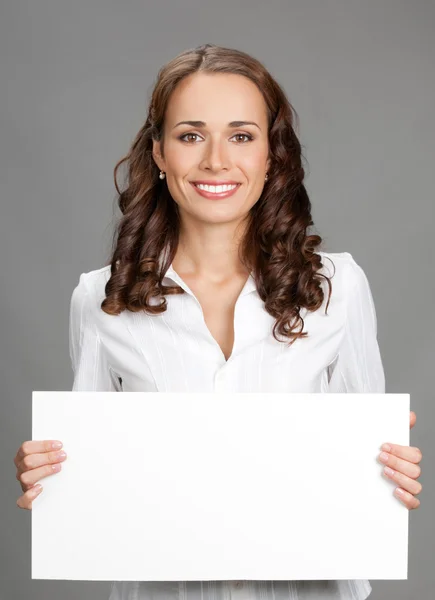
[(175, 352)]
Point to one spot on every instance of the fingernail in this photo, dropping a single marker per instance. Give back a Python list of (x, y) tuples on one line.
[(56, 445), (389, 471), (383, 456), (37, 488), (56, 467), (398, 492), (386, 447)]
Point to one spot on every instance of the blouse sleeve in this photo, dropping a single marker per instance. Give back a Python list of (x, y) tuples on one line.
[(90, 367), (358, 367)]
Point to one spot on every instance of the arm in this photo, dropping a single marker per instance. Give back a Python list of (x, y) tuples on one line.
[(88, 361), (358, 367)]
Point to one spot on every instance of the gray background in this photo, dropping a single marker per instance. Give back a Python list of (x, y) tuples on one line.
[(75, 82)]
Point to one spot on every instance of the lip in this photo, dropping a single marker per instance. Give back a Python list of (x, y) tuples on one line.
[(215, 182), (211, 195)]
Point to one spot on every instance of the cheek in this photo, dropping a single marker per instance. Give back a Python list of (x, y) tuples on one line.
[(255, 164), (179, 159)]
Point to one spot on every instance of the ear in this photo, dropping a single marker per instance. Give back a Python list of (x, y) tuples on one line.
[(157, 156), (268, 163)]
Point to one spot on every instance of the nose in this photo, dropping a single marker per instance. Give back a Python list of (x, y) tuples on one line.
[(216, 156)]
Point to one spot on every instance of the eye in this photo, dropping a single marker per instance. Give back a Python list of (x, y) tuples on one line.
[(181, 137), (247, 135)]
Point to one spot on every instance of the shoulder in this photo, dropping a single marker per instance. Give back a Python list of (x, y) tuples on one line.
[(90, 288), (349, 282), (344, 265)]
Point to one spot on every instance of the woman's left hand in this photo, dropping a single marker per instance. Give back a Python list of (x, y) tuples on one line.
[(402, 468)]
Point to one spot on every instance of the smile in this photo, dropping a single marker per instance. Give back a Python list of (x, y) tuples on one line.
[(215, 192)]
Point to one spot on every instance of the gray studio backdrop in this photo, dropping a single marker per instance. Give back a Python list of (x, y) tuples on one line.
[(74, 83)]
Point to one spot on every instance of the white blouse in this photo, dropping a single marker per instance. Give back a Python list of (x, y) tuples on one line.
[(175, 352)]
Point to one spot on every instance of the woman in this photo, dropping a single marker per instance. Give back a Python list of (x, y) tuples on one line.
[(213, 277)]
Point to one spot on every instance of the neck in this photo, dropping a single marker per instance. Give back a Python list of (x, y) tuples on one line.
[(210, 252)]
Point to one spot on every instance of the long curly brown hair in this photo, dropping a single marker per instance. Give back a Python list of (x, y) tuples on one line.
[(275, 246)]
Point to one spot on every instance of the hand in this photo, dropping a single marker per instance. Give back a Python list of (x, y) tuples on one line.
[(34, 460), (402, 462)]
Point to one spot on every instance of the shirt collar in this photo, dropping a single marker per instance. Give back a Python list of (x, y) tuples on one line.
[(172, 275)]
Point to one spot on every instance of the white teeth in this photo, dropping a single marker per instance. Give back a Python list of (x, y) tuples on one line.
[(215, 189)]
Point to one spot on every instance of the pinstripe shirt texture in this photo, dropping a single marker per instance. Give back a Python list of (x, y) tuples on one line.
[(175, 352)]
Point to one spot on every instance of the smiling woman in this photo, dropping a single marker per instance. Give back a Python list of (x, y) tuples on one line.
[(213, 277)]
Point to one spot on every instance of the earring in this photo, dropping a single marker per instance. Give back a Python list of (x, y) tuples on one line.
[(267, 177), (162, 175)]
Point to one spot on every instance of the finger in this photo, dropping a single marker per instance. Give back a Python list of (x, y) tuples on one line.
[(25, 501), (409, 453), (412, 419), (406, 498), (398, 464), (406, 483), (32, 461), (29, 478), (32, 446)]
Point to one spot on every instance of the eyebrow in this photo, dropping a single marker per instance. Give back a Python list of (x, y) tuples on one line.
[(232, 124)]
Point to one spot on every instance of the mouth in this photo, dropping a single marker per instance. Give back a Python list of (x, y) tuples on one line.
[(216, 192)]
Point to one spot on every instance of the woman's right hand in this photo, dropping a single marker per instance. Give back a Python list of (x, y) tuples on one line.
[(35, 460)]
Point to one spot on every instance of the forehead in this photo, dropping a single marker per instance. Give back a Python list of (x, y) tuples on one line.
[(216, 98)]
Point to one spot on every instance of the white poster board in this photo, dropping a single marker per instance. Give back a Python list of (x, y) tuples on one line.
[(217, 486)]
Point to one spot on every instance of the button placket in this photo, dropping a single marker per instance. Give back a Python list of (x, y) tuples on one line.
[(219, 382)]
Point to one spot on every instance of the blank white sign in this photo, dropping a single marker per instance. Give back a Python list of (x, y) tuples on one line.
[(179, 486)]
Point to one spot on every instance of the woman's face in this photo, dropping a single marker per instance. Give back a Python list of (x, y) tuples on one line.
[(216, 150)]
